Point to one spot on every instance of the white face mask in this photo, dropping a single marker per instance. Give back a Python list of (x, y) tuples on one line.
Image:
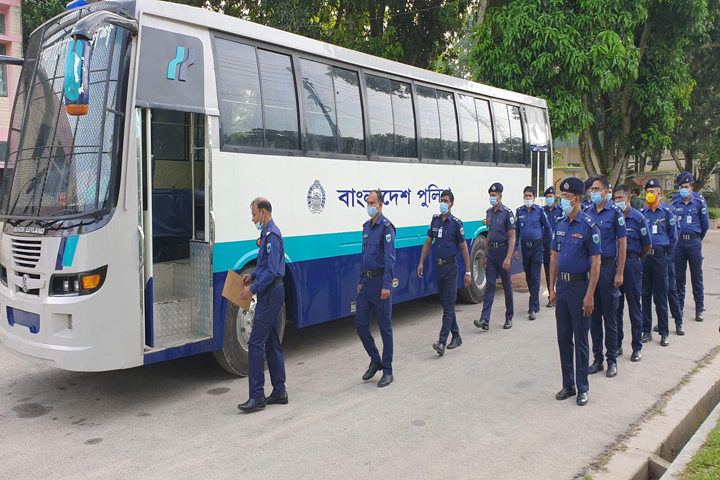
[(529, 203)]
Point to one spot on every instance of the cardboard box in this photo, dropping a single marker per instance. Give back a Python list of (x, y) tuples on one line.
[(233, 289)]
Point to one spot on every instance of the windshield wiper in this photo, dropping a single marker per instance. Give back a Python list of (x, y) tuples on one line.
[(31, 185)]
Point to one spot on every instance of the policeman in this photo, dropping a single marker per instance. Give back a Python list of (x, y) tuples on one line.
[(531, 224), (375, 287), (639, 243), (553, 214), (673, 301), (693, 220), (448, 233), (265, 336), (575, 254), (661, 220), (586, 202), (611, 222), (501, 244)]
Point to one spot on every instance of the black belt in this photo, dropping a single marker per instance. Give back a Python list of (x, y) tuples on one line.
[(277, 281), (658, 251), (632, 255), (607, 261), (532, 244), (572, 277), (373, 273), (691, 236), (444, 261), (497, 244)]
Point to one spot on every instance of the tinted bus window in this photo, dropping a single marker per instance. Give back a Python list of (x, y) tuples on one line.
[(320, 118), (429, 122), (485, 127), (381, 115), (448, 125), (403, 120), (279, 101), (517, 146), (351, 134), (469, 127)]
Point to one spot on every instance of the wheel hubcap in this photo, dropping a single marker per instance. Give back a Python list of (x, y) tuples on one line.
[(479, 273), (245, 323)]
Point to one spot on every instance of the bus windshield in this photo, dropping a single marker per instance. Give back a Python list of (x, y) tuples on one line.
[(60, 166)]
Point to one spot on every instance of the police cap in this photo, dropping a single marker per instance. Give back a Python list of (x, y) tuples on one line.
[(573, 185), (685, 177), (549, 191), (496, 188), (589, 182), (653, 183)]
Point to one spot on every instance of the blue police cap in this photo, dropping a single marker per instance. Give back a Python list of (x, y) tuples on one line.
[(496, 188), (653, 183), (573, 185), (589, 182), (685, 177), (549, 191), (610, 185)]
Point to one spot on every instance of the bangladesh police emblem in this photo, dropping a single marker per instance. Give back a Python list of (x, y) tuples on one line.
[(621, 221), (512, 221), (268, 248), (596, 238), (565, 186), (316, 197), (704, 211), (388, 237), (643, 231), (672, 221)]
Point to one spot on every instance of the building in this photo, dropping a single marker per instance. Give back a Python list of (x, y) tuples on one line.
[(10, 44)]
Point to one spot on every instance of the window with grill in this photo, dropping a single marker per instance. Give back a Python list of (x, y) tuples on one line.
[(3, 68), (392, 118), (2, 24)]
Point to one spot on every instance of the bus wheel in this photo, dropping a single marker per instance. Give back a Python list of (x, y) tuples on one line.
[(238, 326), (474, 293)]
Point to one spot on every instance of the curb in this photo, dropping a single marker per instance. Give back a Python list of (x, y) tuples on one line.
[(692, 447)]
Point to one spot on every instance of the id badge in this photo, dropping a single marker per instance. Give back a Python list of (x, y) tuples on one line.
[(654, 229), (689, 219), (440, 232)]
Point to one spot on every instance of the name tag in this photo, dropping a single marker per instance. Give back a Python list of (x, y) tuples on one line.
[(689, 219), (365, 236), (440, 233), (560, 233), (654, 229)]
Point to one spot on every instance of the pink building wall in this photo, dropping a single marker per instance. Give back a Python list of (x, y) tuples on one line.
[(12, 39)]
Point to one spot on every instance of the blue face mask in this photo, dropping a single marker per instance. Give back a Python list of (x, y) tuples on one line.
[(596, 198), (493, 201), (549, 201), (608, 197), (372, 211), (444, 208), (685, 192), (260, 225), (566, 206), (622, 205)]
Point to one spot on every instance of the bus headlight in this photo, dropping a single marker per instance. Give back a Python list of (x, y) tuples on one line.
[(83, 283)]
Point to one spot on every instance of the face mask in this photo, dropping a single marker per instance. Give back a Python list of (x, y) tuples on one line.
[(622, 205), (529, 203), (549, 201), (444, 208), (608, 197), (685, 192), (566, 206), (651, 198), (596, 198), (493, 201), (260, 225), (372, 211)]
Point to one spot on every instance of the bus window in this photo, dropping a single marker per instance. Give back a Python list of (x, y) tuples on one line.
[(448, 125), (279, 101), (381, 115), (516, 135), (485, 127), (351, 134), (320, 118), (469, 126), (429, 122), (509, 133), (403, 120)]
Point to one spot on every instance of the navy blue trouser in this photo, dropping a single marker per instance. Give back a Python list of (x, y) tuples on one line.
[(447, 280), (655, 288), (631, 290), (493, 270), (572, 324), (369, 301), (673, 303), (690, 251), (265, 342), (532, 259), (605, 313), (546, 263)]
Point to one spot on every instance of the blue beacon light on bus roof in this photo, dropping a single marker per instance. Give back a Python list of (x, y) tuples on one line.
[(79, 3)]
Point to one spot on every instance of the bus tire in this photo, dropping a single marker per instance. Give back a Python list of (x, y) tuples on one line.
[(475, 292), (238, 325)]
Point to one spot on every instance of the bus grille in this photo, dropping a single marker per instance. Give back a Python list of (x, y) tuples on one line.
[(26, 253)]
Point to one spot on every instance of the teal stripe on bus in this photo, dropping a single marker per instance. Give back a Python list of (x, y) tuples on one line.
[(69, 254), (303, 248)]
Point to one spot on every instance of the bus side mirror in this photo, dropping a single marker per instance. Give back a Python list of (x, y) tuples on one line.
[(77, 77)]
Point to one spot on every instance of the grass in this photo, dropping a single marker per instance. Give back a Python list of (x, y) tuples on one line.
[(714, 213), (705, 465)]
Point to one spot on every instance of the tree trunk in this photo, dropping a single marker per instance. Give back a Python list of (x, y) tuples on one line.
[(676, 159), (591, 166)]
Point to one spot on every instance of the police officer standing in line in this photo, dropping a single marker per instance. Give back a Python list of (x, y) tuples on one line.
[(693, 223), (661, 220), (531, 223), (586, 202), (639, 243), (448, 233), (553, 213), (375, 288), (575, 254), (613, 241), (501, 244), (264, 339)]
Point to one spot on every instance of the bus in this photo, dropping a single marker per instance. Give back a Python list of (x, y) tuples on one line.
[(142, 131)]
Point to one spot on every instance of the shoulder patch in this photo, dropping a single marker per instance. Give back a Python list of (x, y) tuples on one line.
[(621, 220), (672, 220), (462, 231), (704, 211), (512, 220), (388, 237), (596, 238), (269, 245), (643, 231)]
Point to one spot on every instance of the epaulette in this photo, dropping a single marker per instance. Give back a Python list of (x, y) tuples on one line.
[(457, 220), (387, 222), (507, 209), (488, 209), (268, 233), (436, 215), (616, 208)]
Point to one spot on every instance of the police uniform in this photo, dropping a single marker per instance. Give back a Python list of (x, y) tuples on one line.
[(531, 225), (611, 223), (638, 236), (553, 215), (693, 223), (585, 200), (499, 224), (376, 274), (448, 235), (264, 339), (576, 241), (661, 223)]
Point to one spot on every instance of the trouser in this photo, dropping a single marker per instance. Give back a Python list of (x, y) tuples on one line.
[(654, 288), (265, 342), (690, 251), (673, 303), (369, 301), (493, 270), (572, 324), (605, 311), (546, 263), (532, 264), (447, 280), (631, 290)]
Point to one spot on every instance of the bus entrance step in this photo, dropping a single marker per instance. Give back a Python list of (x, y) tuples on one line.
[(172, 316)]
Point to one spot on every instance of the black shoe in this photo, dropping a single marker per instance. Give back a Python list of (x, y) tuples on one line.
[(612, 370), (454, 343), (508, 324), (253, 405), (549, 305), (482, 323), (565, 393), (582, 399), (679, 329), (699, 317), (439, 348), (620, 352), (532, 315), (655, 328), (597, 366), (636, 356), (281, 399), (371, 371), (646, 337), (385, 381), (664, 341)]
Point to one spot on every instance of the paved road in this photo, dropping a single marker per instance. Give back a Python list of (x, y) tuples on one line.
[(486, 410)]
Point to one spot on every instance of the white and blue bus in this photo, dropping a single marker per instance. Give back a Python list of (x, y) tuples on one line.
[(140, 134)]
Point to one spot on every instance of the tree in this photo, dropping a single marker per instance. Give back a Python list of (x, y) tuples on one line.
[(611, 70), (37, 12)]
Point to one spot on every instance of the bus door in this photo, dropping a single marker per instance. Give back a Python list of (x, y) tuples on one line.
[(177, 269), (538, 131)]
